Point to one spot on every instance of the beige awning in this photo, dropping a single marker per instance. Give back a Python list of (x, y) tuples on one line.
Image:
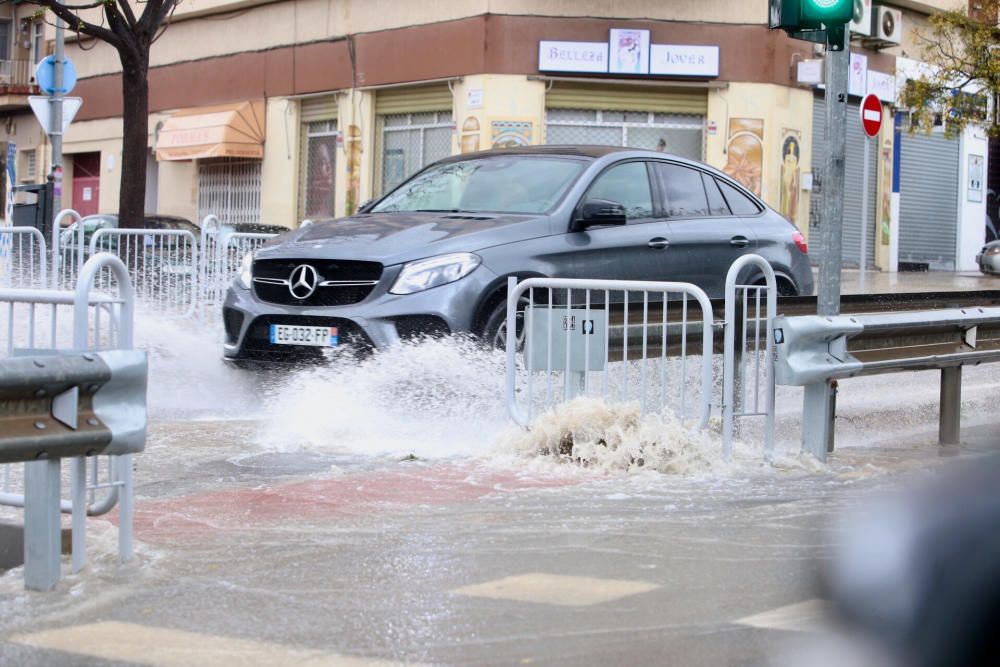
[(225, 130)]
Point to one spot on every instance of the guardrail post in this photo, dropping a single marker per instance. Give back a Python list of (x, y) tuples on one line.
[(42, 539), (949, 426), (817, 418)]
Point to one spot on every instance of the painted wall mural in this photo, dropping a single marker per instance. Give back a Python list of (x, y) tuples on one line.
[(790, 161), (745, 152), (352, 146), (509, 133), (885, 210), (470, 135)]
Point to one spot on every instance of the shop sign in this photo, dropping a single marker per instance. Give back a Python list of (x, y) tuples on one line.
[(684, 60), (882, 86), (573, 56), (629, 51)]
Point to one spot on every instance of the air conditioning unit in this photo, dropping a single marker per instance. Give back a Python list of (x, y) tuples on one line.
[(887, 24), (862, 22)]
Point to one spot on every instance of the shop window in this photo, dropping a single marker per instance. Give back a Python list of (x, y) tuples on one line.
[(410, 141), (317, 173), (627, 184), (229, 188), (680, 134)]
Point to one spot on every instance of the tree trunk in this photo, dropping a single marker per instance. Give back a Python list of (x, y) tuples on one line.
[(135, 135)]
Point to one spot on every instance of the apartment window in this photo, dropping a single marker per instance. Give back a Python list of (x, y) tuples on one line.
[(29, 166), (5, 34), (37, 41)]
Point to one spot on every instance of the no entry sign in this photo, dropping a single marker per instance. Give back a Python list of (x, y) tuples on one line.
[(871, 115)]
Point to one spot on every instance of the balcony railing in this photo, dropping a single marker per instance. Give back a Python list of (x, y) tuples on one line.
[(17, 77)]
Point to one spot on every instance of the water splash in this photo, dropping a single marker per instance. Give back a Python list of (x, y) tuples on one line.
[(434, 398)]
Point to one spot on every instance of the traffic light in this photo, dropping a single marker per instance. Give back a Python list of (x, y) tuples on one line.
[(811, 19)]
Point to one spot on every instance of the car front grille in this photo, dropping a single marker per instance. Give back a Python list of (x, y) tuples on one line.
[(339, 282)]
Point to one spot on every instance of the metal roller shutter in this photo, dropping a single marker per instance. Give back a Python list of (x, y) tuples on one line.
[(928, 200), (315, 109), (627, 98), (853, 182), (413, 100)]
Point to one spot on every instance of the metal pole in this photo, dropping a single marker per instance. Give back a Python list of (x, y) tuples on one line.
[(817, 418), (864, 216), (57, 118), (949, 426), (42, 537)]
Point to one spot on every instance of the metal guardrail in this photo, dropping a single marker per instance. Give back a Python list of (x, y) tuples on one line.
[(812, 351), (576, 333), (46, 321), (56, 407)]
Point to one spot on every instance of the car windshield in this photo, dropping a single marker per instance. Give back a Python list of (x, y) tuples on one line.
[(495, 184)]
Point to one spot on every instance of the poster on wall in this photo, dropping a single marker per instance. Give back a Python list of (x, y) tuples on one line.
[(629, 51), (745, 152), (322, 152), (975, 178), (510, 133), (790, 170)]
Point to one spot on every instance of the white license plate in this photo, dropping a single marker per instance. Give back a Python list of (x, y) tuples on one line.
[(293, 334)]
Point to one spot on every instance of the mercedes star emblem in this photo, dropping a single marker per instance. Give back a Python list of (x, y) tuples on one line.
[(303, 281)]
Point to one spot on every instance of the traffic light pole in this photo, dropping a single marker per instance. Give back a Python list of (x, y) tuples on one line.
[(819, 399)]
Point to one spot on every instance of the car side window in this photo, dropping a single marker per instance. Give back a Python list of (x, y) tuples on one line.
[(683, 192), (716, 204), (739, 203), (627, 184)]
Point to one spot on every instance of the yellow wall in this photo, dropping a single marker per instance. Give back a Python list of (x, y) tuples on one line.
[(780, 108), (504, 97), (280, 166)]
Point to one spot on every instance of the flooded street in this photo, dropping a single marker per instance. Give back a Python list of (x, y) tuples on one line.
[(385, 510)]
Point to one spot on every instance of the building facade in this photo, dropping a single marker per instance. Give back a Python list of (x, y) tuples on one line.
[(302, 109)]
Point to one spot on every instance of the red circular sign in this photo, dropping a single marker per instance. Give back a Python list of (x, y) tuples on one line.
[(871, 115)]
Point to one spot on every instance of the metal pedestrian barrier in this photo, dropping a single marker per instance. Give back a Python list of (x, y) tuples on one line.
[(814, 351), (23, 261), (597, 337), (748, 370), (162, 265), (68, 249), (35, 322)]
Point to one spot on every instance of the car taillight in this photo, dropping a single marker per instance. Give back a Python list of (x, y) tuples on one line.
[(800, 242)]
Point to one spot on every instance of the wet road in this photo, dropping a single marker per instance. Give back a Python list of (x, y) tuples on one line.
[(357, 518)]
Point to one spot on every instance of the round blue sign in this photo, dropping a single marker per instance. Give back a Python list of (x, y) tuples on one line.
[(45, 75)]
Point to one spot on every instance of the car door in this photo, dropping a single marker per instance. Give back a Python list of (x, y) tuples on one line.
[(705, 237), (624, 251)]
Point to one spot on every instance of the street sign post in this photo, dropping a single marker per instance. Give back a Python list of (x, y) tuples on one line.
[(871, 124), (42, 106)]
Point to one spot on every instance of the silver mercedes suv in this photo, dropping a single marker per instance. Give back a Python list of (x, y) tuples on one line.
[(433, 256)]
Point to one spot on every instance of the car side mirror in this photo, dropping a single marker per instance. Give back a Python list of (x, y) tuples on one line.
[(596, 212), (367, 205)]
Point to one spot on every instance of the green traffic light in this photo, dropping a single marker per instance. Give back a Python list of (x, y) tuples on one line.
[(829, 12)]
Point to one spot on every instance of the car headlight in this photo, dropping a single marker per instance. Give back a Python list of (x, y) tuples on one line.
[(427, 273), (995, 250), (246, 274)]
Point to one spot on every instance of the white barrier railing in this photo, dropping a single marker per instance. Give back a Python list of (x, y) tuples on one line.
[(162, 264), (747, 370), (68, 248), (23, 262), (37, 320), (579, 333)]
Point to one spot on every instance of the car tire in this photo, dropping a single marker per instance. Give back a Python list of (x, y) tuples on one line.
[(495, 330)]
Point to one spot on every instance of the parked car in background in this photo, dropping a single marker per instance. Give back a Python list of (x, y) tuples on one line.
[(988, 258), (434, 254)]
